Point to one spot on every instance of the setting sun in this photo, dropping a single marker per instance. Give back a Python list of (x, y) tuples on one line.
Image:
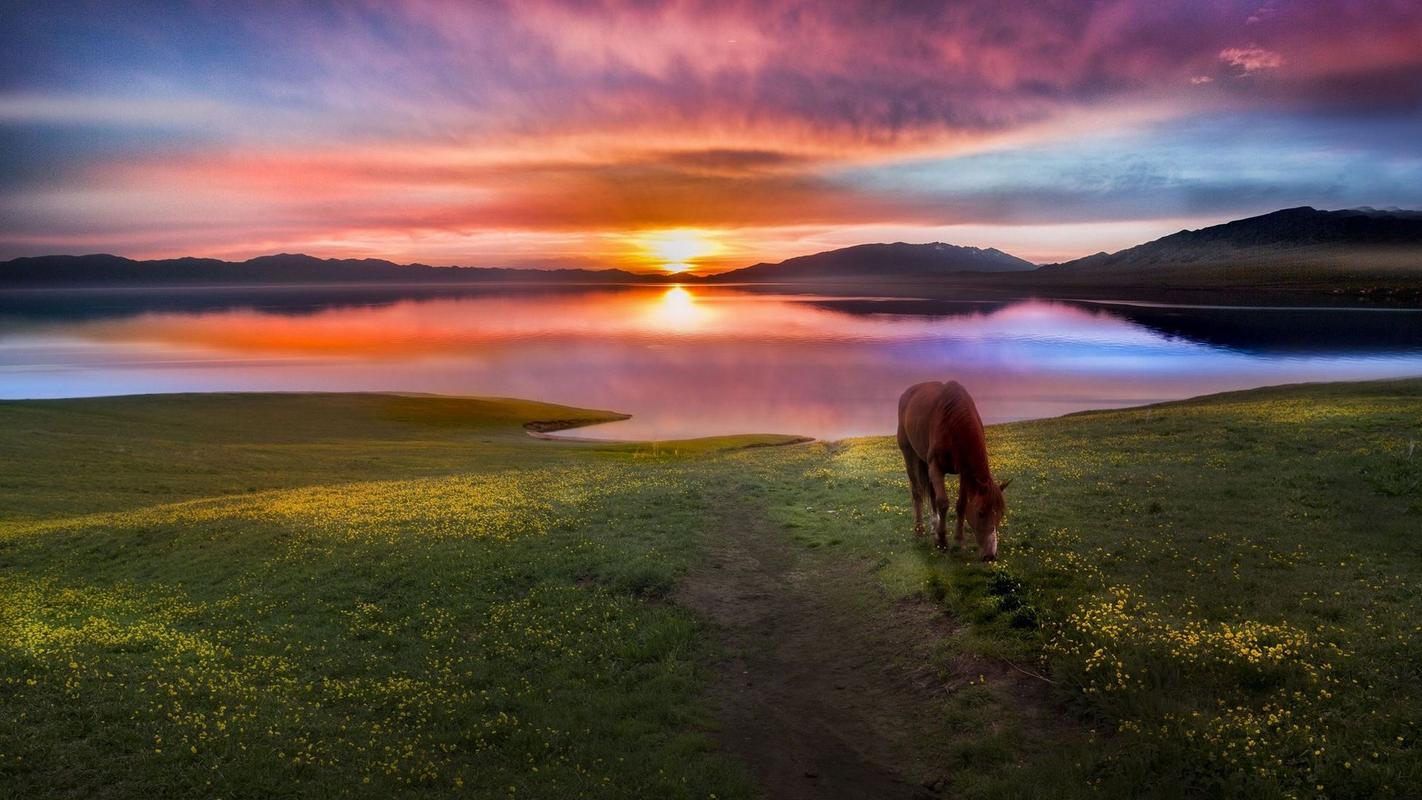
[(675, 250)]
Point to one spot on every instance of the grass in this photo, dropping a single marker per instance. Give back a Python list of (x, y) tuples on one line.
[(294, 595), (287, 595)]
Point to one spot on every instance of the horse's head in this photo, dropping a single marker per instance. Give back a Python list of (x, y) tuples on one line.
[(985, 511)]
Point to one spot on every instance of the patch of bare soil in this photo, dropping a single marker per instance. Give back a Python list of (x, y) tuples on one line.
[(828, 687)]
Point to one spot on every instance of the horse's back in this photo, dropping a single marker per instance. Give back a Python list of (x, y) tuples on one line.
[(907, 400), (927, 410), (923, 398)]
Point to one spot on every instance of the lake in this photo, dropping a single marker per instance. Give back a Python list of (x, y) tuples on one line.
[(685, 360)]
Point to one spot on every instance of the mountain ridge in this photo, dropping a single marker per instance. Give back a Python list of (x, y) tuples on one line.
[(104, 269), (897, 259), (1319, 250), (1286, 233)]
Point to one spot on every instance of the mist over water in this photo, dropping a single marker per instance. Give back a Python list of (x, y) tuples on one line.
[(686, 361)]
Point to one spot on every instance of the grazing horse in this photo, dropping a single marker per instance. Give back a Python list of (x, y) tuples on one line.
[(940, 433)]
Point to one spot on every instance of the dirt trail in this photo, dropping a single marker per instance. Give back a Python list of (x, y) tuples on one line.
[(826, 689)]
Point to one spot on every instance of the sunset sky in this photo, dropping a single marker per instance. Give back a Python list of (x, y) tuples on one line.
[(711, 135)]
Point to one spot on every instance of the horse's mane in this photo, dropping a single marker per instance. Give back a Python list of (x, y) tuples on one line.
[(964, 429)]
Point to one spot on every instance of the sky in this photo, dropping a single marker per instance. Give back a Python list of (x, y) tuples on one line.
[(687, 135)]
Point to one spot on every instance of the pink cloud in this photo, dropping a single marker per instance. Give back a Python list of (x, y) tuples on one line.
[(1251, 59)]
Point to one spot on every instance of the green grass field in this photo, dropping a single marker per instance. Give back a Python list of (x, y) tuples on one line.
[(360, 595)]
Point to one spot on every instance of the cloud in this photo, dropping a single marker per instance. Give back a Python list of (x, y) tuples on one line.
[(194, 125), (1251, 59)]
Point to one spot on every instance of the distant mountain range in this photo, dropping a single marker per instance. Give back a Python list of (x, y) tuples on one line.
[(860, 261), (879, 260), (1361, 251), (282, 268)]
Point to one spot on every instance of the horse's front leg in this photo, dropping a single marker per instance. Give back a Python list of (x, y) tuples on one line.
[(958, 523)]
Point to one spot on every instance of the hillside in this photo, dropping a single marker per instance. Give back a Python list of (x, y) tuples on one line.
[(1302, 237), (883, 260), (282, 268)]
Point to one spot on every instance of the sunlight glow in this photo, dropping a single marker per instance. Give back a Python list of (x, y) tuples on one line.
[(676, 250)]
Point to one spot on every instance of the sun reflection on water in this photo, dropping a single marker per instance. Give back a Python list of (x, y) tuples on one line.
[(677, 310)]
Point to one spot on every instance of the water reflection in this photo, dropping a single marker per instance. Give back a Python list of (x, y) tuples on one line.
[(686, 360)]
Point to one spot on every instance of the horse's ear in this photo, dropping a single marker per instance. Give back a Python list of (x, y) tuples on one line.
[(1002, 487)]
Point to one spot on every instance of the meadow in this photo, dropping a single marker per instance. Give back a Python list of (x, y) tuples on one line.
[(367, 595)]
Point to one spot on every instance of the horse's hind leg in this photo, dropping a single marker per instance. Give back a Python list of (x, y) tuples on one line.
[(940, 503), (916, 488), (925, 486)]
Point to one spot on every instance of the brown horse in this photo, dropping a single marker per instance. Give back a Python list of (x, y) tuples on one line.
[(940, 432)]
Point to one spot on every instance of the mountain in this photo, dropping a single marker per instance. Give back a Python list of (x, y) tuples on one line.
[(1365, 254), (283, 268), (897, 260), (1304, 240)]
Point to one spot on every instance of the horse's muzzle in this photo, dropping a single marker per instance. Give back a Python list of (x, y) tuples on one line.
[(988, 546)]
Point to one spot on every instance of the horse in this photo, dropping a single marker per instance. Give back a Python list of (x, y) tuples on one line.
[(941, 433)]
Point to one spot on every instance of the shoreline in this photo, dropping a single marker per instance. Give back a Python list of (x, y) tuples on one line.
[(1385, 292), (548, 429)]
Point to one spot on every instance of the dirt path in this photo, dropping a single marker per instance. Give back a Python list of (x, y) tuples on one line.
[(826, 689)]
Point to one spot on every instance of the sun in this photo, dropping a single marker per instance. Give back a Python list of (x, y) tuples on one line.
[(675, 250)]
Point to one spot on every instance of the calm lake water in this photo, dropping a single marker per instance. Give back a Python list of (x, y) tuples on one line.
[(685, 361)]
